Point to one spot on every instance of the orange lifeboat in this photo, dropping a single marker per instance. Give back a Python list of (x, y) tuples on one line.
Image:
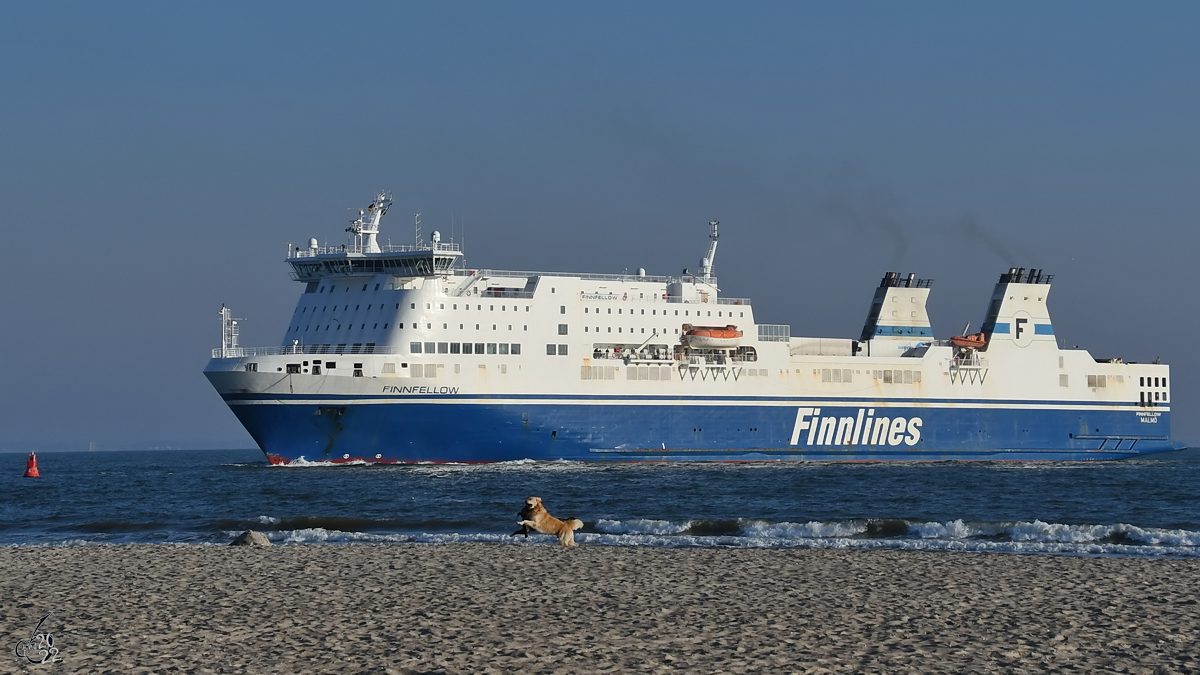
[(711, 337), (976, 341)]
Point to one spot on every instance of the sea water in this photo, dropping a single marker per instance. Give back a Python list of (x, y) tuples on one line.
[(1145, 507)]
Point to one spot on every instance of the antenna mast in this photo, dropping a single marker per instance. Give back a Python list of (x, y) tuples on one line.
[(417, 229), (706, 265), (229, 334)]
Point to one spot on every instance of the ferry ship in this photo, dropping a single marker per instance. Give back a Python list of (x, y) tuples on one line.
[(402, 354)]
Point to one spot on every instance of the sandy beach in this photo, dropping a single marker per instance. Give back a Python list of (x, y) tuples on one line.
[(469, 608)]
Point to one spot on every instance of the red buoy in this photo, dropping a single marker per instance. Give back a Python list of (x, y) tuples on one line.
[(31, 467)]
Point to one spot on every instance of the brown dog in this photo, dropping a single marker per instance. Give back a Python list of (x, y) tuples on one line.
[(540, 520)]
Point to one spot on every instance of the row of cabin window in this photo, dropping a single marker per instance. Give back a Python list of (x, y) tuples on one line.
[(1144, 397), (1146, 381), (888, 376), (654, 312), (295, 368), (332, 287), (345, 308), (428, 305), (429, 326), (466, 306), (464, 348), (296, 329), (620, 329)]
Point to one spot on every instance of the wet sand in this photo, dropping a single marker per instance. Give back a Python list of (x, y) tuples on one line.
[(479, 608)]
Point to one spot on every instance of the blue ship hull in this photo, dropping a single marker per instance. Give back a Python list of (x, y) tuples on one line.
[(614, 429)]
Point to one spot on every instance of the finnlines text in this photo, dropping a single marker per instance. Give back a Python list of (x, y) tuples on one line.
[(861, 429), (420, 390)]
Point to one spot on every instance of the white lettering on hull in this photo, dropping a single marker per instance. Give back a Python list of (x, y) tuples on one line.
[(862, 429)]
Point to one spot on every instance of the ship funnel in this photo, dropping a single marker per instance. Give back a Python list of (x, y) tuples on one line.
[(898, 308), (1018, 314)]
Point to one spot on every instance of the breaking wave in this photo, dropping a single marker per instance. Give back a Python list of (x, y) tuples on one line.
[(1034, 537)]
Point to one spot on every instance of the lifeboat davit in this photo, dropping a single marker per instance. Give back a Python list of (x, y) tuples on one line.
[(711, 337), (976, 341)]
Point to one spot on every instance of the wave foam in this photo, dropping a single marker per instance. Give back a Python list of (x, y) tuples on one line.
[(641, 526)]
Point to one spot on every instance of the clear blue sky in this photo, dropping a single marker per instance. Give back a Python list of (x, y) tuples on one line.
[(154, 158)]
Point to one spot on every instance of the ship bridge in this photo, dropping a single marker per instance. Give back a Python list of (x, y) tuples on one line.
[(408, 260), (363, 256)]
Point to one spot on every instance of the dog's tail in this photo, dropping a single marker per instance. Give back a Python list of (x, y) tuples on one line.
[(575, 523)]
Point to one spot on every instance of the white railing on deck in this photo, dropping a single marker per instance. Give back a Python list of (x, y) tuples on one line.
[(589, 277), (294, 253), (244, 352)]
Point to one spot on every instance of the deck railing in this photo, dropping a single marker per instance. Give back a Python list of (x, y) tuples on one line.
[(298, 252), (244, 352)]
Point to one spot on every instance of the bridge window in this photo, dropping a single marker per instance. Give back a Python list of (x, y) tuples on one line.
[(562, 329), (551, 350), (562, 350), (491, 347), (478, 347), (503, 346), (414, 347), (515, 348)]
